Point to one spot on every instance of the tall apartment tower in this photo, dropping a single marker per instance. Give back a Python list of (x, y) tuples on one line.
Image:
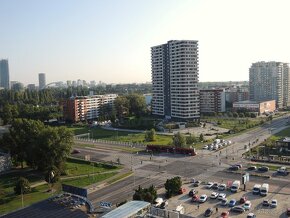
[(174, 68), (270, 81), (41, 80), (4, 74)]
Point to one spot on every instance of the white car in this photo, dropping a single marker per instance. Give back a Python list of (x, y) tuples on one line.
[(205, 147), (222, 187), (209, 185), (221, 196), (274, 203), (247, 205), (203, 198), (214, 195)]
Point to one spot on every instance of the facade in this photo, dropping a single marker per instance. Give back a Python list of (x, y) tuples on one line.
[(270, 80), (81, 108), (284, 143), (31, 87), (4, 74), (174, 68), (235, 95), (41, 80), (255, 106), (5, 162), (212, 100)]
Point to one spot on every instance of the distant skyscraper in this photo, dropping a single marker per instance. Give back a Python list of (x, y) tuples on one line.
[(41, 80), (4, 74), (175, 80), (31, 87), (270, 81)]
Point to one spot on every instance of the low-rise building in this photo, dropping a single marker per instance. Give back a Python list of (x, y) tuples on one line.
[(212, 100), (259, 107), (284, 143), (82, 108), (5, 162)]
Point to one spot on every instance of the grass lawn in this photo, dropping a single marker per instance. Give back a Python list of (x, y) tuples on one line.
[(76, 167), (88, 180), (271, 167), (9, 201), (99, 133), (283, 133)]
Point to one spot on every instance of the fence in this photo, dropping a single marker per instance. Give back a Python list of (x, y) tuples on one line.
[(100, 141), (167, 213)]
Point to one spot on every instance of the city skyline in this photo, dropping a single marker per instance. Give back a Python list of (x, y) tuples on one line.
[(110, 41)]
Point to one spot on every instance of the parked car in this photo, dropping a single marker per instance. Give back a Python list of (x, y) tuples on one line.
[(243, 199), (251, 215), (247, 205), (195, 198), (234, 168), (181, 191), (232, 202), (225, 214), (215, 186), (274, 203), (221, 196), (75, 151), (222, 187), (266, 203), (224, 202), (196, 183), (157, 202), (205, 147), (193, 180), (238, 209), (282, 171), (252, 168), (203, 198), (288, 211), (214, 195), (263, 169), (209, 185), (208, 212), (239, 165), (191, 192)]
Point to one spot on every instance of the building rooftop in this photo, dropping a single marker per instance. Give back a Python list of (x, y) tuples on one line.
[(127, 210)]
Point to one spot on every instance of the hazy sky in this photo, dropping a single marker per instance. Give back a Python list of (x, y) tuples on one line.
[(110, 40)]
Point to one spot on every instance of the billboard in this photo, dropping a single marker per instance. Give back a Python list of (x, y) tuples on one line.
[(75, 190)]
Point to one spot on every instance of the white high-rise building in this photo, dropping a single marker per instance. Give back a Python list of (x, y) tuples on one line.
[(175, 80), (270, 81), (41, 80)]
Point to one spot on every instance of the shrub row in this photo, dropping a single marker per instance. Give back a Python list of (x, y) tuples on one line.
[(171, 149)]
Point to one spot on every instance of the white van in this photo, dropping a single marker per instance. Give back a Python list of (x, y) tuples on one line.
[(235, 186), (256, 189), (179, 209), (264, 189)]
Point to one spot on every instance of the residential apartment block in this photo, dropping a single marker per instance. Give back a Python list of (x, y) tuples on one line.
[(212, 100), (259, 107), (4, 74), (82, 108), (175, 80), (270, 81)]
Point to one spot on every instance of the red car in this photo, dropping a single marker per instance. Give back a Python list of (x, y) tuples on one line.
[(195, 198), (225, 214), (181, 191), (243, 200)]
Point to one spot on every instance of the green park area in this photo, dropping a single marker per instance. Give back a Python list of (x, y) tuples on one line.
[(121, 136), (78, 173)]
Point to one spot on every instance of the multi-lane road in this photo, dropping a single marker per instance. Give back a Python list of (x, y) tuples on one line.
[(155, 170)]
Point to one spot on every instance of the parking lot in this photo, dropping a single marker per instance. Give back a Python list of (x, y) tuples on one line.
[(279, 192)]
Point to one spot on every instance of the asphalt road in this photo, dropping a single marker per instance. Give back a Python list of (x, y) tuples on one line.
[(155, 170)]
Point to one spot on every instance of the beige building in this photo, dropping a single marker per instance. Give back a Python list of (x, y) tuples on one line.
[(259, 107)]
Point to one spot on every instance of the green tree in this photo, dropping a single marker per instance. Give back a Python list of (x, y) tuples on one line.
[(52, 175), (179, 140), (201, 137), (122, 105), (190, 139), (137, 104), (172, 186), (22, 186), (235, 114), (145, 194), (150, 135)]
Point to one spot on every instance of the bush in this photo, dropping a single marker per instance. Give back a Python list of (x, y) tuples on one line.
[(172, 186), (22, 186)]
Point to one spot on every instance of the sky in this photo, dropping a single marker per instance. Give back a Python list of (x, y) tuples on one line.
[(110, 40)]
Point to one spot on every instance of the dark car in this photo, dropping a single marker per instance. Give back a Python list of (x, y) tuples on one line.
[(252, 168), (215, 186), (266, 203), (234, 168), (75, 151), (288, 211), (196, 183), (263, 169), (191, 192), (238, 209), (208, 212), (243, 200)]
